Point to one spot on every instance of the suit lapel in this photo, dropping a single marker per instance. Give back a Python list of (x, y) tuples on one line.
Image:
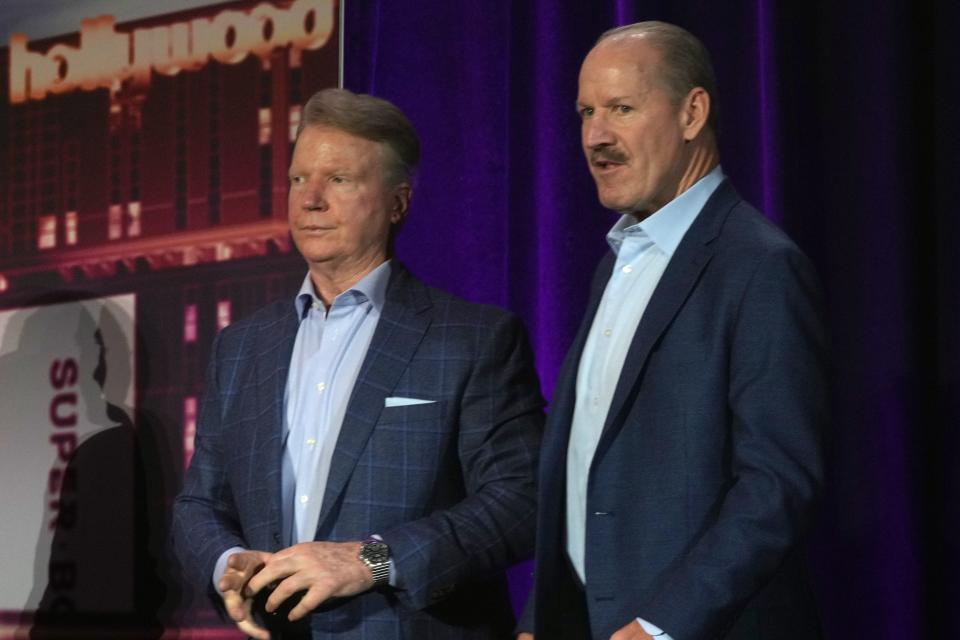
[(403, 323), (678, 280), (273, 376), (560, 417)]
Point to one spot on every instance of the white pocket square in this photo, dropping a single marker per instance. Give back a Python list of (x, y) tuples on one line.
[(398, 401)]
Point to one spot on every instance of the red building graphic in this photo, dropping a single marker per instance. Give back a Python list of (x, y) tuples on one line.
[(150, 157)]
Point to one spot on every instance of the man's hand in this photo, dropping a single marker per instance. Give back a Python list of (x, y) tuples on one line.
[(632, 631), (324, 569), (237, 595)]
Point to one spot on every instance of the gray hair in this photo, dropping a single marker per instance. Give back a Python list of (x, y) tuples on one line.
[(686, 62), (371, 118)]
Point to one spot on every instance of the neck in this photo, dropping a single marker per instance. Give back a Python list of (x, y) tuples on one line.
[(329, 281), (702, 161)]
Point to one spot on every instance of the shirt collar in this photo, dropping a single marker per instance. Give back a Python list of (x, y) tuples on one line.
[(372, 287), (666, 227)]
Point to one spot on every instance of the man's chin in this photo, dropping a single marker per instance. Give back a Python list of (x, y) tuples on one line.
[(315, 249), (614, 202), (622, 204)]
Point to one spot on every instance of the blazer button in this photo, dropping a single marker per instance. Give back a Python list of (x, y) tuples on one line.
[(276, 537)]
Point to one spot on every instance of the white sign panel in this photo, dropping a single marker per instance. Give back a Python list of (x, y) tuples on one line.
[(67, 456)]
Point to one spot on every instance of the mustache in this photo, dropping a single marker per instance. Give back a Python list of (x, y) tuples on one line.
[(606, 154)]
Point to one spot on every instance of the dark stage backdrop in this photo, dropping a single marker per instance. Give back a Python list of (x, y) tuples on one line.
[(838, 121)]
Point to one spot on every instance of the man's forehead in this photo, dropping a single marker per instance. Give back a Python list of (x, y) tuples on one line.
[(628, 50), (321, 137), (326, 131), (616, 71), (636, 41)]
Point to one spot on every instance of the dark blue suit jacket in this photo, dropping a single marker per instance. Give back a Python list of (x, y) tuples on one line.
[(710, 460), (450, 486)]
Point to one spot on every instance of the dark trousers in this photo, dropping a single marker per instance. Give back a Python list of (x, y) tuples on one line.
[(574, 619)]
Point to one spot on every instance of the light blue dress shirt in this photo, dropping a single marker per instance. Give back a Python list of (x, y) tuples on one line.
[(643, 251), (329, 349), (327, 354)]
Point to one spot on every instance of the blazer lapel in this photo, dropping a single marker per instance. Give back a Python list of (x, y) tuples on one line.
[(270, 436), (403, 323), (678, 280), (560, 416)]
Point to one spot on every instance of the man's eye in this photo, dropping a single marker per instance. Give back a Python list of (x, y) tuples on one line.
[(296, 180), (338, 180), (586, 112), (623, 108)]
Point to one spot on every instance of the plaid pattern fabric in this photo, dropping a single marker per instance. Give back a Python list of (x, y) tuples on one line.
[(449, 485)]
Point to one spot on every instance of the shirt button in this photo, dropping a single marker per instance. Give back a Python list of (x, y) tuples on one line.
[(311, 442), (627, 269), (304, 499), (316, 306), (607, 332), (321, 387), (596, 401)]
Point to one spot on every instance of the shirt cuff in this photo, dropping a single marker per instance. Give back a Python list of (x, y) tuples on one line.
[(221, 566), (654, 630)]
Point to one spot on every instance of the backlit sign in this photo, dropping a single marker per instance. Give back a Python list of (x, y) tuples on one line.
[(106, 57)]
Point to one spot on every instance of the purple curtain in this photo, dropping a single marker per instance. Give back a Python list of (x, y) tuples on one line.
[(838, 120)]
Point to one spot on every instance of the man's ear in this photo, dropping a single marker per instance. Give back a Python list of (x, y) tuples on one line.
[(401, 202), (694, 112)]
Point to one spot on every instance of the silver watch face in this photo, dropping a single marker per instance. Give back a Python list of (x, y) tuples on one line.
[(375, 552)]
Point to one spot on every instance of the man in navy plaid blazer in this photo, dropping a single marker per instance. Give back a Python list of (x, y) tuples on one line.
[(365, 458)]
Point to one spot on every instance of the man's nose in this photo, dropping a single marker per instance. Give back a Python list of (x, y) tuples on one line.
[(596, 132), (313, 198)]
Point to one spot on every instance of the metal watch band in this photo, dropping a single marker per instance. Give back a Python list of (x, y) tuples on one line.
[(376, 555)]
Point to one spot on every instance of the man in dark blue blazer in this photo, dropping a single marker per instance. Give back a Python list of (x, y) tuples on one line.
[(365, 455), (682, 456)]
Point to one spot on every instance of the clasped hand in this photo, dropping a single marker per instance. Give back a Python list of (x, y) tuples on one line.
[(322, 569), (632, 631)]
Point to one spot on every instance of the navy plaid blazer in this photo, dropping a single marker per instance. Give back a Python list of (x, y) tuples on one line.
[(449, 485)]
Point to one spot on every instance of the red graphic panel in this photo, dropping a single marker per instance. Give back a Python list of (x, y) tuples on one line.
[(148, 158)]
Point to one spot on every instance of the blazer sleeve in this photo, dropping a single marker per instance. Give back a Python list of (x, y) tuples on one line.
[(499, 431), (778, 410), (205, 522)]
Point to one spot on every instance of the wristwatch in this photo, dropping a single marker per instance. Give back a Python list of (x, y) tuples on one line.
[(376, 555)]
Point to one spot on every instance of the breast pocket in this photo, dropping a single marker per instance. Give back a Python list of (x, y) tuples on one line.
[(415, 446), (411, 413), (417, 434)]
